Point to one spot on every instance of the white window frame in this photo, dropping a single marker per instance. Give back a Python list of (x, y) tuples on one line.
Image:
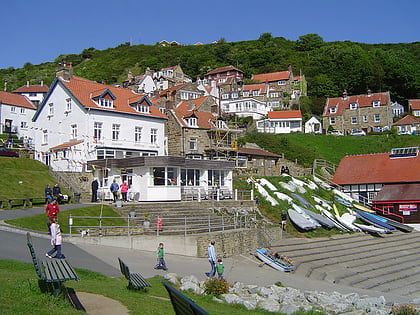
[(365, 118), (50, 109), (191, 121), (137, 134), (97, 130), (354, 120), (45, 137), (13, 109), (333, 110), (74, 131), (68, 105), (354, 106), (115, 132), (193, 144), (377, 118), (22, 110), (376, 103), (282, 82), (332, 121), (153, 136)]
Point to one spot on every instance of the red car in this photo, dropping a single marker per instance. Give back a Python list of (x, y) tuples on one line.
[(5, 152)]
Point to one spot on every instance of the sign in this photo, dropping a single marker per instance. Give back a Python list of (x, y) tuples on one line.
[(409, 207)]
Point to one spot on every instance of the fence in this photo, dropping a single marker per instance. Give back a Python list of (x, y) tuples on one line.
[(132, 225)]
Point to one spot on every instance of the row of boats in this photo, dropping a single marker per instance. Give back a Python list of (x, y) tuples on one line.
[(329, 217)]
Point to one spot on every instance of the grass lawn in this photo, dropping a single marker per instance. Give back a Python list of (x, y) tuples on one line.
[(38, 222), (20, 294)]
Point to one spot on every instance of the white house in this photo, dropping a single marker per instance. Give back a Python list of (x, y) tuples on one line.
[(35, 93), (281, 122), (164, 178), (16, 112), (81, 120), (246, 107), (313, 125)]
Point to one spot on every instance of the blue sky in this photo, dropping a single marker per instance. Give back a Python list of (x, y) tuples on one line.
[(39, 31)]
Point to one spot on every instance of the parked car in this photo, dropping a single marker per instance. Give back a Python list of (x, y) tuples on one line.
[(6, 152), (356, 132), (336, 132)]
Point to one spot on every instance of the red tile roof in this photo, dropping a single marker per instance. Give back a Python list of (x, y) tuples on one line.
[(223, 69), (15, 100), (257, 152), (32, 89), (271, 77), (414, 104), (377, 168), (84, 90), (172, 89), (407, 120), (284, 114), (185, 109), (65, 145), (363, 100), (255, 87), (405, 192)]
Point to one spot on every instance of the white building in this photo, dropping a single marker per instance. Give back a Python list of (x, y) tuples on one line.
[(281, 122), (16, 112), (35, 93), (81, 120), (313, 125), (246, 107)]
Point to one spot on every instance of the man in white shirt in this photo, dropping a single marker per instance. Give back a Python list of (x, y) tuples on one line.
[(211, 254)]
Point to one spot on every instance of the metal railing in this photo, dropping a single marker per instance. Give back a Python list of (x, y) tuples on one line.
[(185, 225)]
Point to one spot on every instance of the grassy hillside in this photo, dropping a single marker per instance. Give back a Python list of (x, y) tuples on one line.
[(23, 178), (306, 147)]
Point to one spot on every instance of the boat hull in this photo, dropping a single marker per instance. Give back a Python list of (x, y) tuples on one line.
[(261, 254)]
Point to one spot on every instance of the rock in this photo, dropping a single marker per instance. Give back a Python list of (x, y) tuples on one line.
[(367, 303), (288, 309), (172, 278), (269, 305), (215, 299), (189, 279), (191, 286), (253, 289), (231, 298), (263, 291)]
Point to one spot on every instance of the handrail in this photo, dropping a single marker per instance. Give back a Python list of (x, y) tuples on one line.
[(384, 212)]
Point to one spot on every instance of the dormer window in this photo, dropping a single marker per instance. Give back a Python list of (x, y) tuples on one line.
[(220, 124), (246, 93), (376, 103), (256, 93), (222, 80), (282, 82), (142, 108), (353, 105), (105, 102), (333, 110), (104, 98), (191, 121)]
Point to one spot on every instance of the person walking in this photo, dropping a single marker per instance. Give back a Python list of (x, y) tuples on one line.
[(56, 240), (124, 190), (211, 254), (220, 268), (52, 210), (114, 189), (48, 194), (57, 193), (283, 220), (160, 258), (95, 186)]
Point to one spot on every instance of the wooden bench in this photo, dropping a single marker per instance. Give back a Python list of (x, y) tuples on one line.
[(11, 202), (53, 272), (182, 304), (36, 201), (135, 280)]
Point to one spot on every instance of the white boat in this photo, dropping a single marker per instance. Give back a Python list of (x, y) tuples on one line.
[(330, 216), (305, 215), (347, 220), (324, 221), (372, 229), (279, 262), (300, 221), (322, 202)]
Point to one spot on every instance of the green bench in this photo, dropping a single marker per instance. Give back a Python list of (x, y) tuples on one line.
[(37, 201), (11, 202), (53, 272), (135, 280), (181, 304)]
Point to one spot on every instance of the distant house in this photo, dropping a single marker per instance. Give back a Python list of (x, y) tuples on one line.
[(364, 176), (414, 107), (407, 125), (169, 77), (16, 112), (81, 120), (143, 84), (281, 122), (179, 93), (246, 107), (278, 80), (35, 93), (364, 112), (257, 161), (397, 109), (313, 125)]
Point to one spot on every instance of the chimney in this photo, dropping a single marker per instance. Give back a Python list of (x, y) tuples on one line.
[(289, 68), (42, 82), (369, 92), (5, 86), (65, 71), (27, 83), (345, 95)]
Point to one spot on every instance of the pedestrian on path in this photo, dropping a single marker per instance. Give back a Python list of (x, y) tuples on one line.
[(220, 268), (283, 220), (124, 190), (114, 189), (56, 240), (211, 254), (95, 186), (160, 258), (52, 211)]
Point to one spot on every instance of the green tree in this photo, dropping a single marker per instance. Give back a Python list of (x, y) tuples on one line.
[(309, 42)]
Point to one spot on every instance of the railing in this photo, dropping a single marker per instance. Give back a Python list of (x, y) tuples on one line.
[(185, 225), (199, 193), (328, 169)]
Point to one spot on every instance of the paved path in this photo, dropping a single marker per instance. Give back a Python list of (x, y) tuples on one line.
[(244, 268)]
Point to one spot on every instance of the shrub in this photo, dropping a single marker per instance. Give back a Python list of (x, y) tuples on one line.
[(216, 287), (404, 309)]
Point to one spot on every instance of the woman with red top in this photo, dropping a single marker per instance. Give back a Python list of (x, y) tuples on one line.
[(52, 211), (124, 189)]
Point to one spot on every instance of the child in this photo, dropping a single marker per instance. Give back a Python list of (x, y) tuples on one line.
[(220, 268), (161, 261), (55, 239)]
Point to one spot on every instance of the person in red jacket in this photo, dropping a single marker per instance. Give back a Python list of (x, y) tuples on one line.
[(52, 211)]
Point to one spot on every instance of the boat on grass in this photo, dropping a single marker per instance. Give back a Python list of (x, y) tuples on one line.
[(275, 260), (324, 221), (330, 216), (372, 229), (363, 208), (343, 201), (374, 220), (300, 221), (348, 220)]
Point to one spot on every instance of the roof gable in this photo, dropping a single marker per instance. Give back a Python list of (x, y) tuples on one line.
[(407, 120), (414, 104), (272, 77), (363, 100), (284, 114), (15, 100)]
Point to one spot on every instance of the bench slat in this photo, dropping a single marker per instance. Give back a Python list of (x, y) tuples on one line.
[(138, 280), (59, 270), (135, 280), (182, 304)]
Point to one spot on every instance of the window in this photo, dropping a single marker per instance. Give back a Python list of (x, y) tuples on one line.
[(22, 110), (333, 110), (377, 117), (13, 109), (115, 132), (153, 136), (225, 96), (191, 121), (165, 176), (256, 93), (365, 118), (68, 105), (332, 120), (45, 137), (246, 93), (105, 154), (282, 82), (216, 178), (376, 103), (51, 109), (142, 108), (274, 94), (74, 131), (234, 95), (31, 94), (97, 130), (353, 106), (190, 177), (193, 143), (106, 102), (23, 124), (137, 134), (354, 120), (172, 176), (158, 176)]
